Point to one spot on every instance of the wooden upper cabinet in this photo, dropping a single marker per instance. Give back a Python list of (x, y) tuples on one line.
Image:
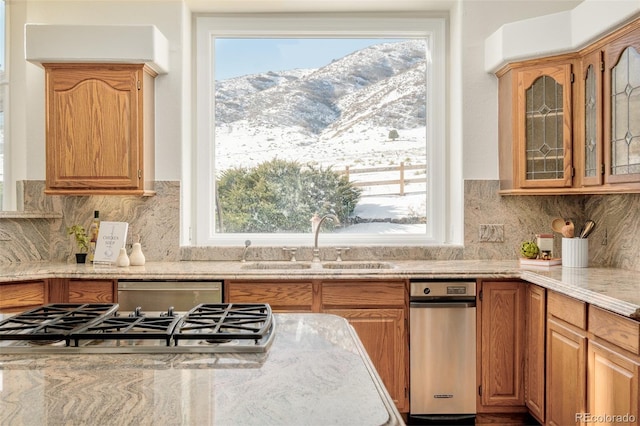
[(571, 123), (536, 126), (588, 131), (99, 129), (622, 107), (544, 126)]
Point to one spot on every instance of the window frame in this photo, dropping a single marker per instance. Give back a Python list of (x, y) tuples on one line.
[(207, 27), (5, 195)]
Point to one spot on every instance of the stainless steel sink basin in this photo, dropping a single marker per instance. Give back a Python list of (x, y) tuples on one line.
[(357, 265), (276, 265)]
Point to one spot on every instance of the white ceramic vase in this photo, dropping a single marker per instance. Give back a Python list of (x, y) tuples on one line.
[(137, 257), (122, 260)]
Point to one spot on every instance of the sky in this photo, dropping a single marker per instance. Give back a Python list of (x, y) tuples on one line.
[(235, 57)]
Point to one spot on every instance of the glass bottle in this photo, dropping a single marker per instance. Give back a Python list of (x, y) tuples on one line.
[(94, 228)]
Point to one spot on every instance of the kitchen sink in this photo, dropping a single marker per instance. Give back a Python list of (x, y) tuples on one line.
[(276, 265), (358, 265)]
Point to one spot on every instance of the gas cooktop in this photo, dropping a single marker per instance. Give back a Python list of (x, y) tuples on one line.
[(101, 328)]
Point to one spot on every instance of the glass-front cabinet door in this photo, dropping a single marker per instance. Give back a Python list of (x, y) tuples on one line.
[(545, 126), (622, 109), (588, 131)]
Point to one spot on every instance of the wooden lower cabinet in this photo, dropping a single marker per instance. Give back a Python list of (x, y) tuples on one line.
[(383, 335), (22, 295), (71, 290), (566, 373), (566, 360), (612, 385), (501, 334), (613, 360), (377, 310), (534, 380)]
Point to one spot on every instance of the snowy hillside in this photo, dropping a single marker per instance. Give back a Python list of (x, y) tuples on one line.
[(339, 114)]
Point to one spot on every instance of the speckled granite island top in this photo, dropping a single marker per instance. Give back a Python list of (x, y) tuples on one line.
[(614, 289), (316, 372)]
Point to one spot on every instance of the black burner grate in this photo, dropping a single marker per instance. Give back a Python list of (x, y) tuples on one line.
[(54, 321), (225, 321)]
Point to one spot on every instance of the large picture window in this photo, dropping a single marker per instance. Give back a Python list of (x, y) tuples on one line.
[(302, 117)]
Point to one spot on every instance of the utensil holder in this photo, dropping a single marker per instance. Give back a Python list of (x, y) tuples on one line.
[(575, 252)]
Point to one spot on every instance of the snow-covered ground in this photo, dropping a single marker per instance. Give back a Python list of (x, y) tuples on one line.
[(372, 149)]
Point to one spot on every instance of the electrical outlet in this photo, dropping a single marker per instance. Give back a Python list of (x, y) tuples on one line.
[(491, 233)]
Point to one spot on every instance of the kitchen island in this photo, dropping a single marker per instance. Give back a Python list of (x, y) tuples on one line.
[(316, 372)]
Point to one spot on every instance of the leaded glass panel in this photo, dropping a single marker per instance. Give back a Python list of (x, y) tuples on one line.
[(625, 114), (590, 158), (544, 123)]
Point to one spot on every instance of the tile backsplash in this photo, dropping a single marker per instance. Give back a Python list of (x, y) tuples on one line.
[(494, 226)]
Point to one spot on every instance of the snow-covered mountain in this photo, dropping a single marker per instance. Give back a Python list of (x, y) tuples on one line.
[(359, 97)]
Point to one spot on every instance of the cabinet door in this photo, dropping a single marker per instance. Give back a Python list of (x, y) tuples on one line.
[(534, 384), (94, 127), (502, 332), (612, 384), (384, 337), (589, 143), (566, 373), (622, 108), (544, 132), (282, 296)]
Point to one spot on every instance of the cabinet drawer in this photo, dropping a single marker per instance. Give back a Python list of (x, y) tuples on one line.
[(22, 294), (278, 295), (567, 309), (613, 328), (88, 291), (363, 294)]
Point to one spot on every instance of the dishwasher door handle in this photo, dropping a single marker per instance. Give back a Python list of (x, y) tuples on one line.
[(442, 304)]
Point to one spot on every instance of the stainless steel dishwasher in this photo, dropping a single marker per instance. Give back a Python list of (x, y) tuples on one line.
[(442, 351), (159, 295)]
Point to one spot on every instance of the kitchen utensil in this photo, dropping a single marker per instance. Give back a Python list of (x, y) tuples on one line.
[(587, 229), (568, 229), (557, 225)]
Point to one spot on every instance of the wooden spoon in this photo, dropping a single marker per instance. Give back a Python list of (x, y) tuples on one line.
[(557, 225), (568, 230)]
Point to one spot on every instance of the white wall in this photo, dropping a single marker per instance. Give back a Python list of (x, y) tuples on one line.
[(27, 79), (473, 123)]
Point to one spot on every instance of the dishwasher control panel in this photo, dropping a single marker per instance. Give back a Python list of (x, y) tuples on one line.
[(441, 289)]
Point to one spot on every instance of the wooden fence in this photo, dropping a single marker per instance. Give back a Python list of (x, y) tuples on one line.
[(401, 181)]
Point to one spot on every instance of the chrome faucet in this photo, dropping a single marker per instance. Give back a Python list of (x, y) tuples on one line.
[(244, 252), (316, 250)]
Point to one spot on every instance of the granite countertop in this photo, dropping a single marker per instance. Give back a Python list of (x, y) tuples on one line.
[(316, 372), (613, 289)]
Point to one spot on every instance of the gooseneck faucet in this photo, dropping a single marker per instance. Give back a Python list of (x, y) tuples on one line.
[(318, 225), (244, 252)]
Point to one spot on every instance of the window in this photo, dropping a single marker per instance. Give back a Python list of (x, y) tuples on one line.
[(303, 116)]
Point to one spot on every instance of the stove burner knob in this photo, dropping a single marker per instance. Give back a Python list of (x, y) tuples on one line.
[(137, 312), (170, 311)]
